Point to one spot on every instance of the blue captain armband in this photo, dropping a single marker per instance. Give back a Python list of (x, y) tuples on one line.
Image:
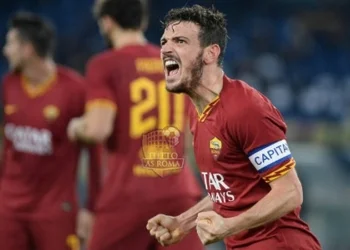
[(271, 155)]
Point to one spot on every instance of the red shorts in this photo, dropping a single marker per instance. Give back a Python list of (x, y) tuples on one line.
[(287, 239), (126, 229), (50, 234)]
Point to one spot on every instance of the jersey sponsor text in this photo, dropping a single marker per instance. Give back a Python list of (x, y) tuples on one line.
[(218, 190), (29, 140)]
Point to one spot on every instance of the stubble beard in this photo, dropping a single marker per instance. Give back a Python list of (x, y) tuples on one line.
[(190, 84)]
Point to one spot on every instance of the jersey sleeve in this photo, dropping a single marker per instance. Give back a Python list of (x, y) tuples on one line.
[(261, 133), (100, 85)]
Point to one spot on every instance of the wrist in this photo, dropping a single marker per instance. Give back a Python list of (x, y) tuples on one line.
[(187, 222), (235, 224)]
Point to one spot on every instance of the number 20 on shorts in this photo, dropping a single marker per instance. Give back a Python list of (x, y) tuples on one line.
[(156, 97)]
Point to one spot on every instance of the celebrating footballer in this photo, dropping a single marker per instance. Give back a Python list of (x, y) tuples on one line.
[(254, 193)]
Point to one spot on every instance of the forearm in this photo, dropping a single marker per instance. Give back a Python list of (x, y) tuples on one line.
[(94, 183), (188, 218), (274, 205)]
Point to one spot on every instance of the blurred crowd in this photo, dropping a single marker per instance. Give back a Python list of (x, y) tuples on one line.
[(298, 56)]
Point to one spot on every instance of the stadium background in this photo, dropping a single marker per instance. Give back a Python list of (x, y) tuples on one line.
[(297, 52)]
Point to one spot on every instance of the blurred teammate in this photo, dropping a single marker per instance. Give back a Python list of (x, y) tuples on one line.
[(130, 111), (254, 194), (38, 203)]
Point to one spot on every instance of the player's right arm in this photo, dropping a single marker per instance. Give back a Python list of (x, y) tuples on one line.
[(169, 230), (188, 218), (96, 125)]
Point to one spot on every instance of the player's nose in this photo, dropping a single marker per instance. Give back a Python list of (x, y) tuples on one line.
[(166, 54), (166, 49), (4, 51)]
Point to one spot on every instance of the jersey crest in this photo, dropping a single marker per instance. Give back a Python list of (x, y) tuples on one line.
[(215, 147), (51, 112)]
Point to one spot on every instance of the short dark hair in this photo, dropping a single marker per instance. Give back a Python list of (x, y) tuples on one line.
[(212, 25), (129, 14), (36, 30)]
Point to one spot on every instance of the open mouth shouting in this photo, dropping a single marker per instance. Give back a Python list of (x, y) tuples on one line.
[(172, 69)]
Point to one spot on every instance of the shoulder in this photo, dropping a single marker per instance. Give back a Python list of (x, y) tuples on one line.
[(104, 62), (108, 58), (153, 48), (70, 75), (103, 57), (71, 78), (10, 82), (241, 102), (239, 93), (10, 77)]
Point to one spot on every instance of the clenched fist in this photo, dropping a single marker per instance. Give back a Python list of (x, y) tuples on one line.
[(75, 125), (211, 227), (166, 229)]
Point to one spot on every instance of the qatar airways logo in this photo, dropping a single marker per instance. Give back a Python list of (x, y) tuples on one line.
[(218, 190), (29, 140)]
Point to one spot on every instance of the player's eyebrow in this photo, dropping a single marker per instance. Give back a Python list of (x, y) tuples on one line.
[(175, 38), (163, 40)]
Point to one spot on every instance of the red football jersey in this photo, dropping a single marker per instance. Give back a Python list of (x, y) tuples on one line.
[(240, 146), (131, 80), (40, 163)]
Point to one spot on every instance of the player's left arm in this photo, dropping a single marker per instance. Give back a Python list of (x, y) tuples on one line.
[(97, 124), (261, 135), (263, 139), (286, 194)]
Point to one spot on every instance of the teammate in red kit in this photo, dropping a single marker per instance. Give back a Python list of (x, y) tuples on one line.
[(38, 203), (129, 109), (240, 146)]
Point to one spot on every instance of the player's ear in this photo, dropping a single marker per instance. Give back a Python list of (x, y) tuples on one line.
[(106, 24), (28, 50), (211, 54)]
